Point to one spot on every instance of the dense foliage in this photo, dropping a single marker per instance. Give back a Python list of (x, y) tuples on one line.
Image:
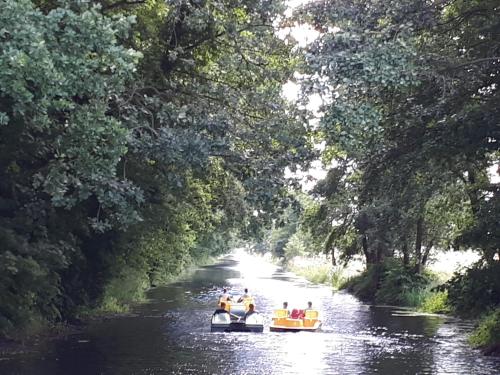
[(411, 124), (411, 131), (487, 336), (476, 290), (139, 137), (135, 139)]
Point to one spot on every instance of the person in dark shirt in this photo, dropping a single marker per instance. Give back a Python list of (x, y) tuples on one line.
[(221, 309), (251, 310)]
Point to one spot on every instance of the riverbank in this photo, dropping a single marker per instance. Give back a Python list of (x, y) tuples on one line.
[(40, 333), (393, 284), (319, 270)]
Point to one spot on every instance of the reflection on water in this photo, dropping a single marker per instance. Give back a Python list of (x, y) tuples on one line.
[(171, 335)]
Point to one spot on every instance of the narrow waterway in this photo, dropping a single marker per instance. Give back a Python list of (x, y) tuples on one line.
[(170, 334)]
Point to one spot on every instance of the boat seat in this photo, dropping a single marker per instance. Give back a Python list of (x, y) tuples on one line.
[(311, 314), (310, 322), (280, 313)]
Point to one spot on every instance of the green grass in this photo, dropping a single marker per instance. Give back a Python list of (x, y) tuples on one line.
[(393, 284), (487, 334), (130, 287), (321, 274), (339, 278)]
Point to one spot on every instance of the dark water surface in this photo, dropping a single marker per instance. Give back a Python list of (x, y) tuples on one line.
[(170, 334)]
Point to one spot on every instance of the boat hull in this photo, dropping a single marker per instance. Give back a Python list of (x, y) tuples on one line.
[(236, 327), (284, 328)]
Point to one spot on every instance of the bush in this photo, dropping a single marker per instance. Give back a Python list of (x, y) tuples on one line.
[(415, 297), (397, 281), (339, 278), (476, 290), (390, 283), (487, 334), (364, 285), (124, 289), (435, 302)]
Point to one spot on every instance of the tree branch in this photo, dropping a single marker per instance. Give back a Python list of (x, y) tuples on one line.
[(122, 3), (473, 62)]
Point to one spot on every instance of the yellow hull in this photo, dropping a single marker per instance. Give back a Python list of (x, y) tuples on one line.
[(294, 325), (302, 321)]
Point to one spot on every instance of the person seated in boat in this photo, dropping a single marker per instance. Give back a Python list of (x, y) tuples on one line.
[(285, 307), (221, 309), (225, 296), (244, 296), (297, 314), (251, 310), (309, 306)]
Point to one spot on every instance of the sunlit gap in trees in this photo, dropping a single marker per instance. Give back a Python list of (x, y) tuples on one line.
[(256, 273), (494, 173), (303, 34)]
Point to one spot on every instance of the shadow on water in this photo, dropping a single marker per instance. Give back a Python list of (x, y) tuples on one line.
[(170, 334)]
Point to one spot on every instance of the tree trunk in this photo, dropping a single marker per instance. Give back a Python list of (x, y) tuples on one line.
[(472, 192), (427, 251), (406, 254), (418, 245), (364, 244)]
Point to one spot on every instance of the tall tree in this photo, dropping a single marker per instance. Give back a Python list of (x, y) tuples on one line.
[(412, 118)]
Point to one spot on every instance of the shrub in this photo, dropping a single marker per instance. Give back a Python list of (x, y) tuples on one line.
[(476, 290), (364, 285), (435, 302), (397, 282), (390, 283), (414, 297), (487, 334), (339, 278), (129, 286)]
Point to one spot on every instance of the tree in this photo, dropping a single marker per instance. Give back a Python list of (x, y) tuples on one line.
[(148, 147), (412, 94), (59, 148)]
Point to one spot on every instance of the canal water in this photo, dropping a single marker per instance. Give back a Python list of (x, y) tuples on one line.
[(170, 334)]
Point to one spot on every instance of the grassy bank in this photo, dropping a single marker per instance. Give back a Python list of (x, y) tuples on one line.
[(120, 294), (471, 293), (391, 283), (487, 335), (317, 274), (319, 270), (474, 292), (131, 288)]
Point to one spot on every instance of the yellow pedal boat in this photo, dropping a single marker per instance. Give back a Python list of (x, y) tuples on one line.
[(299, 320)]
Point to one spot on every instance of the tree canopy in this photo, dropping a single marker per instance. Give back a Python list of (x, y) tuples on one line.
[(138, 137), (135, 138), (411, 121)]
